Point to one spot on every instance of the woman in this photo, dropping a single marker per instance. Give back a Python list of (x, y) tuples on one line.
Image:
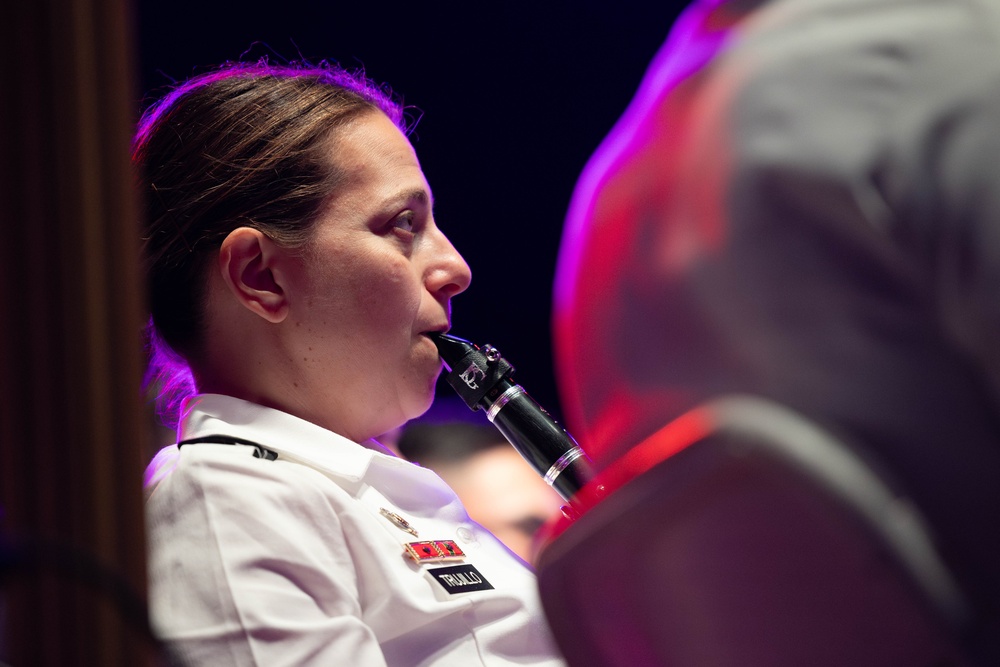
[(295, 267)]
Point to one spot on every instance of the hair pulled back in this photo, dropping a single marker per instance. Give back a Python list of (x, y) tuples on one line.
[(243, 145)]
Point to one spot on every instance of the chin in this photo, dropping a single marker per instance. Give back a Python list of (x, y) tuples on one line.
[(419, 399), (422, 406)]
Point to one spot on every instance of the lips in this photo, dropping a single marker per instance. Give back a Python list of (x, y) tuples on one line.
[(430, 333)]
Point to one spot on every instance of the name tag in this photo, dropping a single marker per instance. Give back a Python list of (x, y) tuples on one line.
[(461, 579)]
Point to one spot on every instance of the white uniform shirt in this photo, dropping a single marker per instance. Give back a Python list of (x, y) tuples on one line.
[(291, 562)]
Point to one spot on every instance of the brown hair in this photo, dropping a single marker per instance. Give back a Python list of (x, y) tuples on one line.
[(242, 145)]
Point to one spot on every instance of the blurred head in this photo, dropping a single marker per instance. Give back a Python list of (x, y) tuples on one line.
[(498, 488), (289, 242)]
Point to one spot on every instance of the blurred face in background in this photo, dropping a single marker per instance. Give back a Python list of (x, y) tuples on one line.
[(504, 494)]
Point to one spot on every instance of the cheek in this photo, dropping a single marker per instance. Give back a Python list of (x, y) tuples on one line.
[(387, 293)]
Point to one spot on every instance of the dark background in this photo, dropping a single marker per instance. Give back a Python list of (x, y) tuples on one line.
[(514, 96)]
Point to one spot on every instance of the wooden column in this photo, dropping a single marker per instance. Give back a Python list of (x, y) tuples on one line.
[(72, 431)]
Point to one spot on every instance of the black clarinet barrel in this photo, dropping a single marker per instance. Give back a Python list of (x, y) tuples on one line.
[(482, 378)]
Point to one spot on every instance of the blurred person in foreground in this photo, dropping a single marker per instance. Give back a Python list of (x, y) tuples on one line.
[(802, 203)]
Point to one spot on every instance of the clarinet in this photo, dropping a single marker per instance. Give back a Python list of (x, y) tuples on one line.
[(482, 378)]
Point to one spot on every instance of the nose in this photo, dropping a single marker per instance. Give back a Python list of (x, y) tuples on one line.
[(448, 274)]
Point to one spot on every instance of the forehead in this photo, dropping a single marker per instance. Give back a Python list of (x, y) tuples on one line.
[(379, 173), (371, 142)]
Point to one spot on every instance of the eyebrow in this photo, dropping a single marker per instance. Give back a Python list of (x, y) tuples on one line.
[(417, 194)]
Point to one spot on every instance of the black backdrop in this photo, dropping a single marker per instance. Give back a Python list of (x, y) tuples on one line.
[(515, 96)]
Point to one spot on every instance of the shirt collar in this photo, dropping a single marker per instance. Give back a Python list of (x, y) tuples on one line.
[(291, 437)]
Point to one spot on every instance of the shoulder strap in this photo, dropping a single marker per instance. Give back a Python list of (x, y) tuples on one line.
[(259, 451)]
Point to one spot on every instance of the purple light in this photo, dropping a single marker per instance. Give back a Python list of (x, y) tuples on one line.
[(168, 378), (694, 40)]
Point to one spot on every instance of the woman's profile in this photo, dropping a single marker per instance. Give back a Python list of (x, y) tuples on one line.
[(294, 268)]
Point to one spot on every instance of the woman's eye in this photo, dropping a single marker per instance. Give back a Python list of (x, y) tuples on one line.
[(404, 222)]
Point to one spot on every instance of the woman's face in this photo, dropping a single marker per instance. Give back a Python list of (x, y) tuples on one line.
[(376, 275)]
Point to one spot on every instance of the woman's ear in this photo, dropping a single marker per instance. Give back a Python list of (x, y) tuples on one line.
[(247, 260)]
